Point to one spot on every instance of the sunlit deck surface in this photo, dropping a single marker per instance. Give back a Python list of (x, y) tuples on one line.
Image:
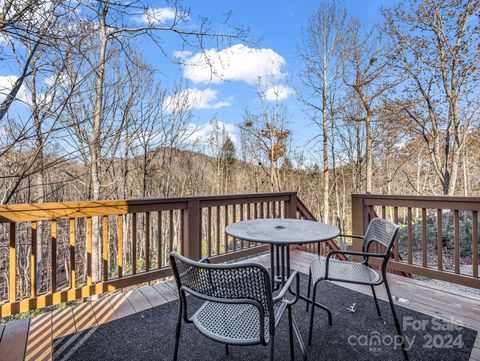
[(31, 339)]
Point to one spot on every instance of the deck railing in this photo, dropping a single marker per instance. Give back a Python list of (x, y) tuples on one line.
[(438, 236), (58, 252)]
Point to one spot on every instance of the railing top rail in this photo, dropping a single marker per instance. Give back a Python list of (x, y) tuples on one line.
[(429, 202), (419, 198), (416, 247), (45, 211)]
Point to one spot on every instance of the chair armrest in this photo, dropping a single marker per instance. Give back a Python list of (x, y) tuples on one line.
[(351, 236), (355, 253), (281, 295), (351, 253)]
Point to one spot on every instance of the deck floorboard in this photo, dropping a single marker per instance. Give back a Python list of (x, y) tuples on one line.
[(39, 339), (14, 339), (32, 339)]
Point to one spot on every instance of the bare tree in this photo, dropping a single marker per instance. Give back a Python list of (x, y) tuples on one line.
[(32, 25), (268, 134), (321, 51), (367, 71), (108, 35), (438, 43)]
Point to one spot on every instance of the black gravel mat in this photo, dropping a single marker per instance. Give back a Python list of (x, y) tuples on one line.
[(358, 335)]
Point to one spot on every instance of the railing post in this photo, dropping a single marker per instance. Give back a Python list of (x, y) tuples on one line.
[(357, 221), (291, 206), (192, 245)]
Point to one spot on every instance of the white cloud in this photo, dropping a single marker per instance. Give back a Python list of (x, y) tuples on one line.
[(4, 39), (182, 54), (202, 134), (236, 63), (6, 85), (24, 96), (159, 16), (304, 163), (278, 92), (196, 99)]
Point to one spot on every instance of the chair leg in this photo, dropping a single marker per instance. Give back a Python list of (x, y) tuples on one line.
[(177, 332), (312, 311), (308, 289), (376, 301), (395, 318), (227, 351), (272, 347), (290, 333)]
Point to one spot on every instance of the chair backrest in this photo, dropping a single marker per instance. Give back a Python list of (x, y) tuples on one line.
[(381, 231), (230, 283)]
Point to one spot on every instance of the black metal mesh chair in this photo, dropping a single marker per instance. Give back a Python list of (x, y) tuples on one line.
[(379, 231), (240, 308)]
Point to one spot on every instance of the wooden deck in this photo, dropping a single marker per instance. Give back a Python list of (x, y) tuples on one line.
[(31, 339)]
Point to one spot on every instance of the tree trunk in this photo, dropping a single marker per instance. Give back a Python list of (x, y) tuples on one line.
[(95, 145), (368, 151), (452, 186), (359, 158), (465, 173), (335, 177), (326, 180)]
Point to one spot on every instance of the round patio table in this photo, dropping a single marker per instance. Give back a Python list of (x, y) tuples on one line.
[(280, 233)]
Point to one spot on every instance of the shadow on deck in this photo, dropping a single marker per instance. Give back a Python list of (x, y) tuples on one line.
[(32, 339)]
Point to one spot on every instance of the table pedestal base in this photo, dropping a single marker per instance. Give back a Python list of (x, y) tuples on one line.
[(280, 271)]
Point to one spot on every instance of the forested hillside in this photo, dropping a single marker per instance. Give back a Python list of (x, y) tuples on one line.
[(395, 106)]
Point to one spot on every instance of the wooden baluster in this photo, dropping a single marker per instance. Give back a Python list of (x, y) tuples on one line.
[(182, 229), (225, 236), (33, 260), (120, 245), (105, 248), (134, 243), (395, 220), (475, 244), (255, 210), (209, 231), (262, 214), (267, 204), (424, 237), (410, 236), (456, 241), (147, 241), (12, 264), (242, 210), (159, 241), (89, 251), (439, 240), (170, 234), (384, 213), (53, 275), (217, 233), (234, 219), (249, 216), (71, 229)]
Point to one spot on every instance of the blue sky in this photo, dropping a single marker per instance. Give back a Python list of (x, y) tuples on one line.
[(278, 25)]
